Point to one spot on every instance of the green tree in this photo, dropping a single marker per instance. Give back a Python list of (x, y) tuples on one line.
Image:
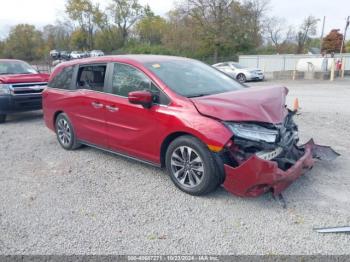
[(2, 46), (86, 14), (108, 39), (79, 40), (212, 18), (245, 33), (254, 14), (183, 36), (24, 42), (108, 36), (347, 47), (216, 27), (151, 28), (125, 13)]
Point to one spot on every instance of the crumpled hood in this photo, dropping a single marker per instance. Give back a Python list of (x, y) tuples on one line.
[(26, 78), (256, 104)]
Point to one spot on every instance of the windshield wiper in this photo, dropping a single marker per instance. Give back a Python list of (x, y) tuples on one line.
[(198, 95)]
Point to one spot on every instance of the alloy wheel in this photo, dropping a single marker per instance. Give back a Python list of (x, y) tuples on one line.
[(187, 166), (64, 132), (241, 78)]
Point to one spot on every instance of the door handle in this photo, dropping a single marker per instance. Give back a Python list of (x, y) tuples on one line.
[(97, 105), (112, 109)]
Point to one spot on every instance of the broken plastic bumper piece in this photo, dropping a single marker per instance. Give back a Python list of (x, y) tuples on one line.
[(257, 176)]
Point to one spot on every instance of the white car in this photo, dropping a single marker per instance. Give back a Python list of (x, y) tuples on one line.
[(76, 55), (239, 72), (95, 53)]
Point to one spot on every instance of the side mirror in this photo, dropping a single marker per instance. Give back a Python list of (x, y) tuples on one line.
[(143, 98)]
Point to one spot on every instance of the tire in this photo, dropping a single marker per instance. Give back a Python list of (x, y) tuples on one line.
[(65, 133), (197, 177), (2, 118), (241, 78)]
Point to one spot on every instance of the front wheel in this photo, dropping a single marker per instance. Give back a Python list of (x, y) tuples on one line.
[(65, 133), (191, 166), (242, 78), (2, 118)]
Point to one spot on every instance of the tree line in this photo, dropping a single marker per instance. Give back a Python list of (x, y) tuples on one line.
[(202, 29)]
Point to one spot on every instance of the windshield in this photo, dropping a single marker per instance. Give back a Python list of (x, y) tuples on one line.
[(15, 67), (192, 78), (236, 65)]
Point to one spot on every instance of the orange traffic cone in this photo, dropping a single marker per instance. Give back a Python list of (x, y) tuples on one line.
[(296, 105)]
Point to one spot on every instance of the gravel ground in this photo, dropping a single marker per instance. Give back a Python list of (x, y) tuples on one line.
[(91, 202)]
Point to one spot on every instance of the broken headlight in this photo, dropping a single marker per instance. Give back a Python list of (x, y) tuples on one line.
[(4, 89), (253, 132)]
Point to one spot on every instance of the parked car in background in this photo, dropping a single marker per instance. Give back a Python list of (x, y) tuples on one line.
[(85, 54), (20, 87), (206, 128), (64, 55), (60, 55), (239, 72), (95, 53), (55, 54), (76, 55)]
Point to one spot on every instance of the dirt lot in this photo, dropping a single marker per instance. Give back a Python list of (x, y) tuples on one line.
[(91, 202)]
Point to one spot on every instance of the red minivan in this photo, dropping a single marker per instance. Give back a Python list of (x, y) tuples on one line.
[(203, 126)]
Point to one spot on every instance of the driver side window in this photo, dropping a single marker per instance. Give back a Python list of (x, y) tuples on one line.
[(128, 79)]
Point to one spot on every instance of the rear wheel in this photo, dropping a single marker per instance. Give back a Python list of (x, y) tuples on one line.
[(2, 118), (65, 133), (242, 78), (191, 166)]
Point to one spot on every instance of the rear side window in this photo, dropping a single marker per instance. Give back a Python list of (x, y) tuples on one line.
[(63, 80), (91, 77)]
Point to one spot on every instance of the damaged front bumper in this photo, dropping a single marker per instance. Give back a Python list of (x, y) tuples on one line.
[(256, 176)]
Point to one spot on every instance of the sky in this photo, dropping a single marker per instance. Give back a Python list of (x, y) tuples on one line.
[(42, 12)]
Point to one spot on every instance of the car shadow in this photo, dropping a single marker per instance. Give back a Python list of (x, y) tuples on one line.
[(223, 195), (220, 194), (24, 117)]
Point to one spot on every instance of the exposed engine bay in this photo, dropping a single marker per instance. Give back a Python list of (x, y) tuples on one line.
[(265, 157)]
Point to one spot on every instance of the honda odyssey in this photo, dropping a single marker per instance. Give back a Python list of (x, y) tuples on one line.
[(203, 126)]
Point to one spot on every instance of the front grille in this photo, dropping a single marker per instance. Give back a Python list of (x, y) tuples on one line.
[(27, 102), (27, 92), (27, 88)]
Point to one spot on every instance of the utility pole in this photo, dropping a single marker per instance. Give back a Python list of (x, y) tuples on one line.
[(342, 46), (344, 37), (322, 34)]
